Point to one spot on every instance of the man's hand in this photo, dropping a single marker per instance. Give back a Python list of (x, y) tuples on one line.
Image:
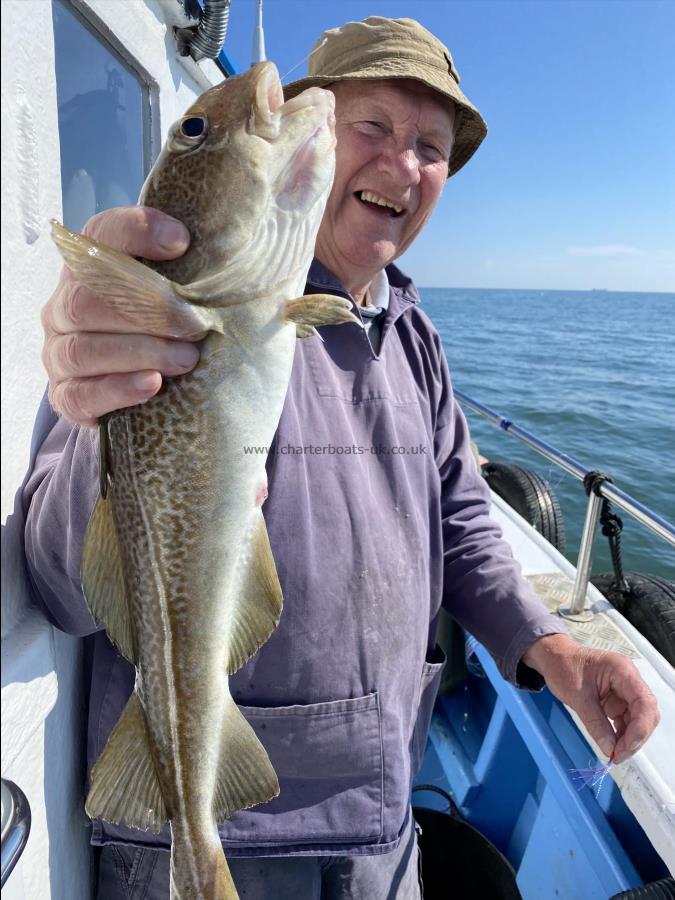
[(599, 686), (96, 360)]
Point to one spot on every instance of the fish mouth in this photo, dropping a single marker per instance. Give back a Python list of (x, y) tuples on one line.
[(267, 102), (302, 130), (270, 111)]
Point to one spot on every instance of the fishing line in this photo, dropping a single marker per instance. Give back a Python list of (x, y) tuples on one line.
[(555, 475), (304, 59)]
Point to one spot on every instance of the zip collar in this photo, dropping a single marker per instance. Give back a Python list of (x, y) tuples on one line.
[(402, 296)]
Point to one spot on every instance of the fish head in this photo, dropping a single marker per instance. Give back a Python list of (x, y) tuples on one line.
[(249, 175)]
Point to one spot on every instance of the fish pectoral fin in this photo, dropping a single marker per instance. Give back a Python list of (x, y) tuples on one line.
[(245, 774), (124, 783), (318, 309), (303, 331), (138, 293), (102, 577), (257, 602)]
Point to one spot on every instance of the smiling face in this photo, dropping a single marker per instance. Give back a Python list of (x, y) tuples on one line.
[(394, 140)]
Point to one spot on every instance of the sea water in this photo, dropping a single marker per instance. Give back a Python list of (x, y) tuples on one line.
[(593, 374)]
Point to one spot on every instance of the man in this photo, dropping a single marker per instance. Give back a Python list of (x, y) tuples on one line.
[(367, 544)]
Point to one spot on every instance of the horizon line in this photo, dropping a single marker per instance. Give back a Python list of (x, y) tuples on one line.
[(429, 287)]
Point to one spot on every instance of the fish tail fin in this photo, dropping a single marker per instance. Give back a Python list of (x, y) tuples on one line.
[(124, 783), (199, 870), (245, 774)]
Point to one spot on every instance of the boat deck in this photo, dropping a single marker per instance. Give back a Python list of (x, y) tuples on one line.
[(505, 755)]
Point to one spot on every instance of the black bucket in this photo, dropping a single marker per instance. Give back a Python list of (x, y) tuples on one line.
[(458, 861)]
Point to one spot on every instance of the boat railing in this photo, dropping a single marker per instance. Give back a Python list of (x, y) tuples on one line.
[(15, 827), (602, 488)]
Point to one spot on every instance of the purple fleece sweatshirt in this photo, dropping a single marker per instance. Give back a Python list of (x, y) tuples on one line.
[(376, 515)]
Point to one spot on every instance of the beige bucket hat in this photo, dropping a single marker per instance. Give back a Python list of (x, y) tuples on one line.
[(394, 48)]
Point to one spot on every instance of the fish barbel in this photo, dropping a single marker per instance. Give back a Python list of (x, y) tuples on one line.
[(176, 561)]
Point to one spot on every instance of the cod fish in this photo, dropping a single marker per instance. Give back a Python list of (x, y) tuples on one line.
[(176, 562)]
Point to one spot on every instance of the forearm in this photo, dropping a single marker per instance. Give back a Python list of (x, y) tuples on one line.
[(491, 600), (546, 652), (58, 499), (483, 586)]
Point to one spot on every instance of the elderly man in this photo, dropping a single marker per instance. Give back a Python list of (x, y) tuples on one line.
[(367, 546)]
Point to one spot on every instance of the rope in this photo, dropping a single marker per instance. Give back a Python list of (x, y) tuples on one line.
[(612, 526)]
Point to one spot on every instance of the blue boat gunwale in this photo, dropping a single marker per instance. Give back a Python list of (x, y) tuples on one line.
[(505, 756)]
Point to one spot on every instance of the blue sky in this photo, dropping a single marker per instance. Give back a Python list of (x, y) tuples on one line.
[(574, 187)]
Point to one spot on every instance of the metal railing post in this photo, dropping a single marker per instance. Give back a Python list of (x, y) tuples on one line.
[(576, 610)]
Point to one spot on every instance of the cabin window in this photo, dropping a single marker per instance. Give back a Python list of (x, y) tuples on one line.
[(103, 111)]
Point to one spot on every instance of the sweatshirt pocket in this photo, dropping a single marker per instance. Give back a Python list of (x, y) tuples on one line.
[(328, 758), (431, 677)]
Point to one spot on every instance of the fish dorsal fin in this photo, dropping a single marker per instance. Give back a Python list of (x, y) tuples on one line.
[(138, 293), (102, 576), (245, 774), (124, 783), (258, 601)]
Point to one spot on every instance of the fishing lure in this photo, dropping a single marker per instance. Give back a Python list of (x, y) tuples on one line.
[(593, 776)]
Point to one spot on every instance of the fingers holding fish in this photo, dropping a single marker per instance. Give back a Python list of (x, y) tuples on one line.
[(139, 231), (106, 348), (84, 354), (84, 400), (94, 372), (76, 307)]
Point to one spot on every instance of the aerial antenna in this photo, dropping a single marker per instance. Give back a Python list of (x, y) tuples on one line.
[(258, 54)]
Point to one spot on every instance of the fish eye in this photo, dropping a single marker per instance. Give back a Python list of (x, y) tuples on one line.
[(193, 126)]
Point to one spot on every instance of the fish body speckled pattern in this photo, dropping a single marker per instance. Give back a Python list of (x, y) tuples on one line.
[(177, 564)]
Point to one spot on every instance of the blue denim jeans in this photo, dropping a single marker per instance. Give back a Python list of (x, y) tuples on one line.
[(136, 873)]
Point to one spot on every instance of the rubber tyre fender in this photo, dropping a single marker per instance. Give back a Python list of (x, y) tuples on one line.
[(531, 496), (655, 890), (649, 606)]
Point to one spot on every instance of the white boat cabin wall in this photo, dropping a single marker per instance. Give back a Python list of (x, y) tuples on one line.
[(90, 88)]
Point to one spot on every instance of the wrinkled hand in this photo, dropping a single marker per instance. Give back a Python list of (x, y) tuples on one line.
[(602, 688), (96, 360)]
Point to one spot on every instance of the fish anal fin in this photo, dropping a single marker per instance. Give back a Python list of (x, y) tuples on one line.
[(124, 783), (135, 291), (245, 774), (319, 309), (258, 601), (102, 577)]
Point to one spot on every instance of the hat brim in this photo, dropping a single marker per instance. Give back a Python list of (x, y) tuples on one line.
[(470, 127)]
